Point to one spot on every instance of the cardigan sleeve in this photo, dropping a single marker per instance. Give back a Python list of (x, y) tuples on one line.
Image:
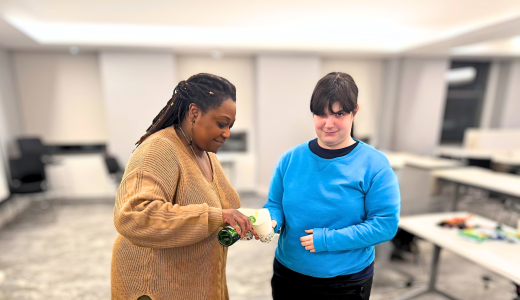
[(143, 213)]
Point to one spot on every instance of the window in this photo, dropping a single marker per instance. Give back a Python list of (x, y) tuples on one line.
[(466, 88)]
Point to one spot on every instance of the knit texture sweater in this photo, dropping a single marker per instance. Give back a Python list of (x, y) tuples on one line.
[(168, 215)]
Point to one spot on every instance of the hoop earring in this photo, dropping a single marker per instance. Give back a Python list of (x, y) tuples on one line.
[(191, 139)]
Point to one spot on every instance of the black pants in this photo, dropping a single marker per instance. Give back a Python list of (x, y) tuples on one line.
[(284, 288)]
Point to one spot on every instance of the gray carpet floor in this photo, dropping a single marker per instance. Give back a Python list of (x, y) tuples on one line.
[(62, 250)]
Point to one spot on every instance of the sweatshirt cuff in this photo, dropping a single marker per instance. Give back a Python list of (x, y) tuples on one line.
[(319, 239), (278, 225), (214, 219)]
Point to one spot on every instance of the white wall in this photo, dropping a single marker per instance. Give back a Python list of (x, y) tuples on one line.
[(241, 72), (284, 86), (490, 97), (511, 102), (136, 87), (10, 125), (420, 109), (60, 97), (387, 108), (10, 116), (368, 75)]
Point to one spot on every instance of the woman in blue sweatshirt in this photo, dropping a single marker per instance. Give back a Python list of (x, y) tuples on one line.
[(334, 199)]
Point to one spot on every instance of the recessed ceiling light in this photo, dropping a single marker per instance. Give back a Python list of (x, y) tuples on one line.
[(460, 76), (216, 54), (374, 37), (74, 50)]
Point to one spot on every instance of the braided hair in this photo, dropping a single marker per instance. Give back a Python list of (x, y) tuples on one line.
[(207, 91)]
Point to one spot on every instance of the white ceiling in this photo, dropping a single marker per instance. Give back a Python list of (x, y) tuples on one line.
[(501, 47), (369, 26)]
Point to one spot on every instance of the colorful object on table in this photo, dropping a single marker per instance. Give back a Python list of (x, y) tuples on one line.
[(509, 236), (459, 222), (474, 234), (480, 234)]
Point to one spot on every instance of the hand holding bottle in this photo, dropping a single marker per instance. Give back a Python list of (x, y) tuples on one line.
[(235, 218)]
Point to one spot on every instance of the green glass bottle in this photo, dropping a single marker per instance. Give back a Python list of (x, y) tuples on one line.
[(229, 236)]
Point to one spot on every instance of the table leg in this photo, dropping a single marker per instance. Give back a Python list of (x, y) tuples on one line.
[(435, 267), (431, 283), (455, 199)]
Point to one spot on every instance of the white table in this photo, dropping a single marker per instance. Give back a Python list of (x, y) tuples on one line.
[(507, 157), (463, 153), (497, 256), (415, 179), (501, 183), (511, 158), (397, 160), (400, 159), (80, 176), (4, 186)]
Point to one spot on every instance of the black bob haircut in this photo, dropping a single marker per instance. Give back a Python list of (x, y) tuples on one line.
[(334, 87)]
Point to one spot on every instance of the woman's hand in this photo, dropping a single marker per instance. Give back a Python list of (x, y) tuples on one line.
[(308, 241), (233, 217)]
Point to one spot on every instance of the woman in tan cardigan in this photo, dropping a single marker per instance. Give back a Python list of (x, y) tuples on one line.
[(174, 198)]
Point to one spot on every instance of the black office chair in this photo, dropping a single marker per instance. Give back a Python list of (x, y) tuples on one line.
[(27, 175), (405, 242), (32, 147), (483, 163), (35, 147), (114, 169)]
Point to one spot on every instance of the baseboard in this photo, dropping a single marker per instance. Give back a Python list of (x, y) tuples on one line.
[(13, 207)]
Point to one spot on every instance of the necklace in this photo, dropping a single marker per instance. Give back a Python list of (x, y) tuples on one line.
[(189, 143), (198, 165)]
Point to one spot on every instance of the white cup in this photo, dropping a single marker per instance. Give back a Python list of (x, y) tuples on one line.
[(263, 225)]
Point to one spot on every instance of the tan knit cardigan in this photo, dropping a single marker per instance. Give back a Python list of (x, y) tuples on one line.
[(168, 216)]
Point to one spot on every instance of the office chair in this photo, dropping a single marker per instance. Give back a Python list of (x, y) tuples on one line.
[(27, 175), (405, 242), (35, 147), (114, 168), (394, 250), (32, 147), (483, 163)]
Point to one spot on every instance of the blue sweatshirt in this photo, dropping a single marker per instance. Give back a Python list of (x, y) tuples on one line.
[(352, 203)]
